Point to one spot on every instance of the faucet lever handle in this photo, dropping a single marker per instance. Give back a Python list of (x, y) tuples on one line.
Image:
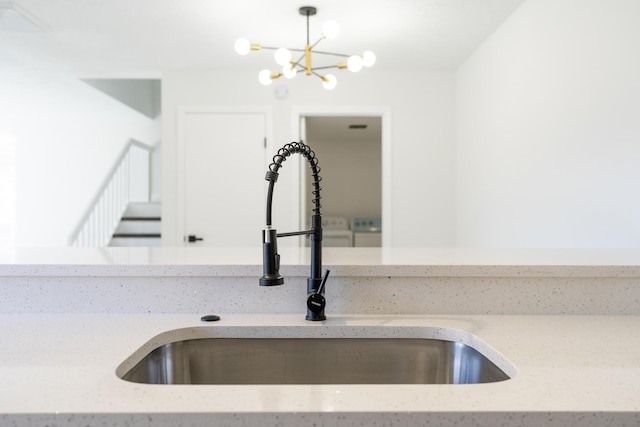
[(324, 280)]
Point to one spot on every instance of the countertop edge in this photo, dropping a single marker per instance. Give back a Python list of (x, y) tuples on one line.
[(254, 270)]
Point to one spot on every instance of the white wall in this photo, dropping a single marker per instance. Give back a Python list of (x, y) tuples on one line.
[(68, 135), (548, 129), (7, 190), (422, 139), (143, 95)]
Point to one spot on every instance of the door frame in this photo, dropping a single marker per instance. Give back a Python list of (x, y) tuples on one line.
[(183, 113), (298, 112)]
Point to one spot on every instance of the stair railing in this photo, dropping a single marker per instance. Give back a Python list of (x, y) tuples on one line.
[(128, 181)]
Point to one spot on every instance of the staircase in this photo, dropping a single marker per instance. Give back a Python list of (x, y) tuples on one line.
[(139, 226), (127, 182)]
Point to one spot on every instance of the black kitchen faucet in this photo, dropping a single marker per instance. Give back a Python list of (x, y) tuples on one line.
[(271, 259)]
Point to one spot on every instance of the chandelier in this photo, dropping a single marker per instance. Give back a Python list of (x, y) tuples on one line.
[(304, 63)]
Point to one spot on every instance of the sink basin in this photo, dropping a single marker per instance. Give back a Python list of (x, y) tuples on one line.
[(314, 361)]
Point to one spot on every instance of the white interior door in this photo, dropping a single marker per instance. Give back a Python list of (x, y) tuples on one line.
[(224, 170)]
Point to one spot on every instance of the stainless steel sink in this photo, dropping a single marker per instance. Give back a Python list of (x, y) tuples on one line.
[(314, 361)]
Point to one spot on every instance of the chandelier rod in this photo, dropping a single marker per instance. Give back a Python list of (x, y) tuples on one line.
[(320, 52), (325, 67), (331, 53), (316, 74), (308, 25), (297, 63)]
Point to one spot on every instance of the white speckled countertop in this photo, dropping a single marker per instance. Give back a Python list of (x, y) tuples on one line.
[(563, 322), (62, 368)]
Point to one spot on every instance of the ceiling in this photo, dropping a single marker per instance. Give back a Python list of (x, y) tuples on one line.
[(140, 38)]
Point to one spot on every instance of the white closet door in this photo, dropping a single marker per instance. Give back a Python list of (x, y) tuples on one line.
[(224, 170)]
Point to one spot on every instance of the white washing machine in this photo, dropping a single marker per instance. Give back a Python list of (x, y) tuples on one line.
[(367, 232)]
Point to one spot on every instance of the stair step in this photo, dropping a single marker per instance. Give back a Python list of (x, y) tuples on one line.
[(143, 209), (141, 218), (136, 235), (138, 227), (136, 241)]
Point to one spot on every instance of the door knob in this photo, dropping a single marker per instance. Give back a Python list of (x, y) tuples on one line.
[(193, 238)]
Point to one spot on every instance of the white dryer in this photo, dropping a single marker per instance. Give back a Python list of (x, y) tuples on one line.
[(336, 233)]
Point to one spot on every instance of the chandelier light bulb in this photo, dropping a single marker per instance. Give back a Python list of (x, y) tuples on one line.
[(282, 56), (330, 29), (265, 77), (368, 58), (243, 46), (354, 63), (289, 71), (329, 81)]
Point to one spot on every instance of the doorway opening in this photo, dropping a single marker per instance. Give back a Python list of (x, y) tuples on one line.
[(350, 150)]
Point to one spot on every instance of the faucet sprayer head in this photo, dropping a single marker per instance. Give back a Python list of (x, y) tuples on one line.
[(270, 259)]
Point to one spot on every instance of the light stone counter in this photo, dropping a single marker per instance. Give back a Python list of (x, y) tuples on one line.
[(363, 281), (563, 323)]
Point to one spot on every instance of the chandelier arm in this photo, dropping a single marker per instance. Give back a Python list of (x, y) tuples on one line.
[(300, 59), (319, 52), (342, 55), (316, 43), (317, 75), (326, 67), (276, 48)]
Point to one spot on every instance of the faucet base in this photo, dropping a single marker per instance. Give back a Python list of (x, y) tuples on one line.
[(315, 299), (314, 317)]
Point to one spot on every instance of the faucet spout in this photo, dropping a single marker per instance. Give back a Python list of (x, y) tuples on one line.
[(271, 259)]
